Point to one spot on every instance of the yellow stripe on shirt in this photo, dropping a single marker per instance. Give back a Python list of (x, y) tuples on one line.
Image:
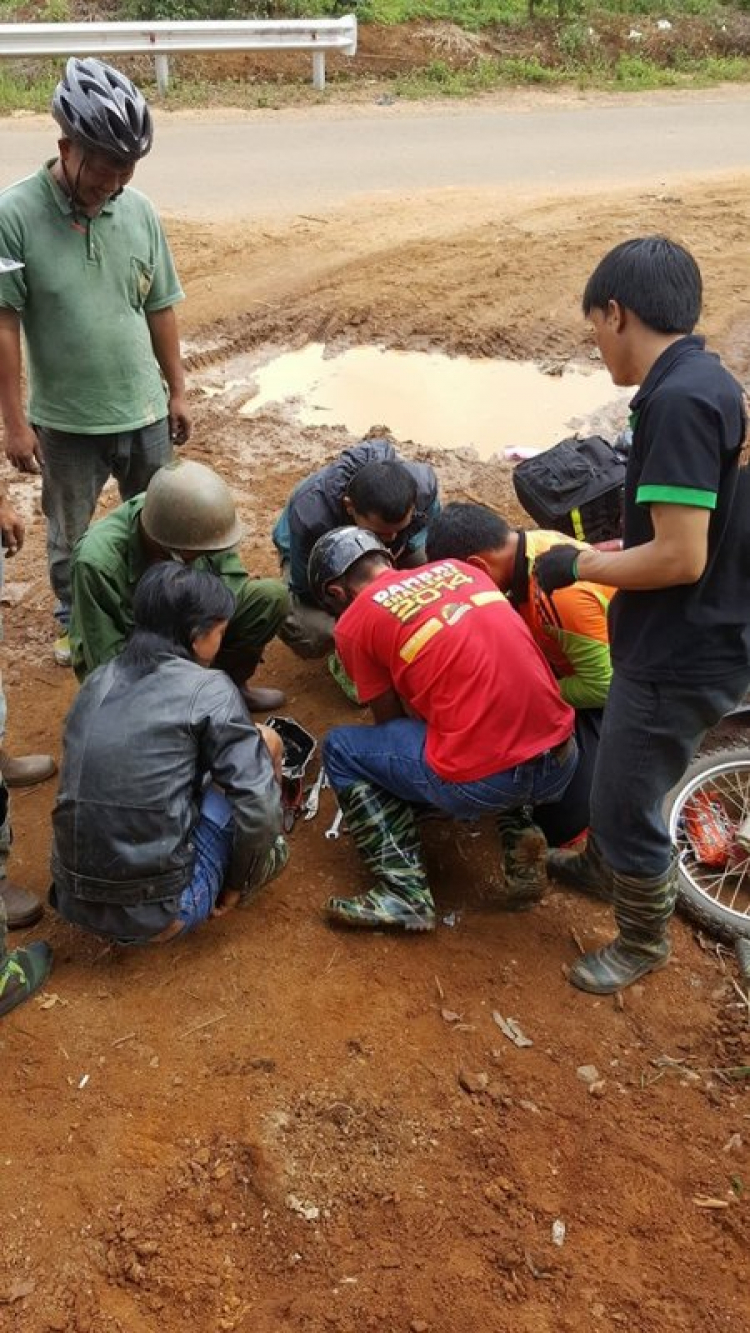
[(482, 598), (419, 638)]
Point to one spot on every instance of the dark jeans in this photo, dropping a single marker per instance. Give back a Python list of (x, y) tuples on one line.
[(569, 817), (75, 469), (649, 735), (391, 756)]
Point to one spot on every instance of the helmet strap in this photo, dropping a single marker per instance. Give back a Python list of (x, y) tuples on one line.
[(72, 186)]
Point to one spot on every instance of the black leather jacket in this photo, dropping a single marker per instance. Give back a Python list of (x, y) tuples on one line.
[(136, 750)]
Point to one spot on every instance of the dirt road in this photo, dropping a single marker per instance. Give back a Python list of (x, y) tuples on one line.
[(240, 165), (272, 1127)]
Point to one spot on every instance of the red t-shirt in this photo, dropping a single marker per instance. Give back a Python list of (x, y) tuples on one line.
[(456, 652)]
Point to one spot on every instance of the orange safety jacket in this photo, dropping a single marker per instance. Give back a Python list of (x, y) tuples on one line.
[(569, 626)]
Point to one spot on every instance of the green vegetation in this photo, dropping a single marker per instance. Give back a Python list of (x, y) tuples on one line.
[(482, 13), (471, 14), (597, 44)]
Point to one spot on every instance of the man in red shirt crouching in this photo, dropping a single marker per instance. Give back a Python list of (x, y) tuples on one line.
[(468, 719)]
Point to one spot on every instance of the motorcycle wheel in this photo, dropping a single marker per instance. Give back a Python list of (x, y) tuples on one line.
[(717, 898)]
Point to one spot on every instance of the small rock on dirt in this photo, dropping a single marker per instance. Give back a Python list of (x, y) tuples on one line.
[(306, 1210), (418, 1326), (19, 1290), (473, 1083), (588, 1074)]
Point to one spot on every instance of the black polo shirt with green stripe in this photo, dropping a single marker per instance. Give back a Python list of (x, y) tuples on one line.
[(688, 425)]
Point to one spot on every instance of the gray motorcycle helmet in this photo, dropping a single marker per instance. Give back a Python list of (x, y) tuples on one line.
[(99, 108), (333, 554)]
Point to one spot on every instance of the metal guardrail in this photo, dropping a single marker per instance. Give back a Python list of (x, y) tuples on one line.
[(162, 39)]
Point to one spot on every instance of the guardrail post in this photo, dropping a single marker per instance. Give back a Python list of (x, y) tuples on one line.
[(319, 71), (162, 72)]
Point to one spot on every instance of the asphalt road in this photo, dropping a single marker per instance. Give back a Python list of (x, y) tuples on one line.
[(262, 164)]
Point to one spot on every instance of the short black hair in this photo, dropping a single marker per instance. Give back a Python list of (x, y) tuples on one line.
[(463, 530), (387, 489), (172, 605), (365, 568), (655, 278)]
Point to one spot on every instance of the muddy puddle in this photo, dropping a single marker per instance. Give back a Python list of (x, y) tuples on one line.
[(440, 401)]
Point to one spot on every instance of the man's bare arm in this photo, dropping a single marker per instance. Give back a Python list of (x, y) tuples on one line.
[(676, 554), (21, 443), (165, 340)]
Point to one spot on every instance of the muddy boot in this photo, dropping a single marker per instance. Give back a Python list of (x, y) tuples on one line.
[(524, 849), (270, 870), (22, 971), (586, 872), (262, 698), (342, 679), (22, 909), (643, 908), (26, 770), (385, 834)]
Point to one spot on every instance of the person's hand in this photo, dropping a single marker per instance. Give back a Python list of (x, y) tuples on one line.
[(557, 568), (23, 450), (180, 424), (12, 528)]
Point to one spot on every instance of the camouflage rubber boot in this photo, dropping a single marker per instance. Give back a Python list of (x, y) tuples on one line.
[(385, 835), (342, 679), (586, 872), (271, 868), (524, 849), (643, 908), (22, 971)]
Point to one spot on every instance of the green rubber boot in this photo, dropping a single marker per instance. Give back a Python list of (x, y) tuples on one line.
[(344, 681), (271, 869), (643, 908), (586, 872), (21, 973), (524, 849), (385, 835)]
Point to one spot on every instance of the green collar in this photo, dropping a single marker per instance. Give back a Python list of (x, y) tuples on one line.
[(63, 200)]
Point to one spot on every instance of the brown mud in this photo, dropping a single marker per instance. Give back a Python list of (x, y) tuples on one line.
[(277, 1126)]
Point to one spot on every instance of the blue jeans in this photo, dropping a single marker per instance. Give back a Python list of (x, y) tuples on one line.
[(213, 837), (649, 735), (390, 755), (75, 469)]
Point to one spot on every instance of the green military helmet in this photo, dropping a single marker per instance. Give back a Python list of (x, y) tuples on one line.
[(188, 507)]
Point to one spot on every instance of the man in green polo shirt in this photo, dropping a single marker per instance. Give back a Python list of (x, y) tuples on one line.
[(187, 514), (95, 302)]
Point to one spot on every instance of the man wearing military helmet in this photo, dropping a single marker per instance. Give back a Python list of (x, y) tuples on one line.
[(186, 514), (95, 301)]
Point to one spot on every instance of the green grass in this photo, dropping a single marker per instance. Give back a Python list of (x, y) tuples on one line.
[(471, 14), (22, 94), (630, 73), (435, 81), (569, 54), (475, 14)]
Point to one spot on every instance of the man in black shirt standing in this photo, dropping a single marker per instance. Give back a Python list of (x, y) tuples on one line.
[(680, 622)]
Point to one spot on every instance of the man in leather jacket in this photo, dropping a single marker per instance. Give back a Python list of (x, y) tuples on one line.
[(142, 848)]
